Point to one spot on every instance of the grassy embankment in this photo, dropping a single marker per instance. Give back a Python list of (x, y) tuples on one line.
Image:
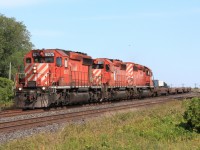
[(155, 128)]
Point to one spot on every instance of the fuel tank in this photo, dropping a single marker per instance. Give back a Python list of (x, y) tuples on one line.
[(120, 95), (75, 98)]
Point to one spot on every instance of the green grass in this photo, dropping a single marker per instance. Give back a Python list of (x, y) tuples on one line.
[(155, 128), (6, 104)]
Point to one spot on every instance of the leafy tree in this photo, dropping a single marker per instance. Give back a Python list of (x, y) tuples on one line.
[(192, 115), (6, 92), (14, 43)]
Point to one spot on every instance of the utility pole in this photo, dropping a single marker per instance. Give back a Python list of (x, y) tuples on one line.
[(10, 71)]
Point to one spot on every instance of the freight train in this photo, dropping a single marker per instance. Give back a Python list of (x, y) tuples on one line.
[(55, 77)]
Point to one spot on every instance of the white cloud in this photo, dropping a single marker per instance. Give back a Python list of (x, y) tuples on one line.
[(19, 3)]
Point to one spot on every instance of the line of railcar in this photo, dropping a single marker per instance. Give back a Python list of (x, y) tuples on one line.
[(54, 77)]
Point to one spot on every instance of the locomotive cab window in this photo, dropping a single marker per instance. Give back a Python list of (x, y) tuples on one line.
[(49, 59), (135, 68), (123, 67), (28, 60), (43, 60), (38, 60), (97, 66), (148, 73), (58, 61), (107, 68)]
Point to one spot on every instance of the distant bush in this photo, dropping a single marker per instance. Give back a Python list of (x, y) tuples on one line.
[(6, 92), (192, 115)]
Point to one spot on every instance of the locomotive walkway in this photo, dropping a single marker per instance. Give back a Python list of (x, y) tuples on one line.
[(11, 126)]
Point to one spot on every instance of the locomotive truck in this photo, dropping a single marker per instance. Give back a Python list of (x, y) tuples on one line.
[(55, 77)]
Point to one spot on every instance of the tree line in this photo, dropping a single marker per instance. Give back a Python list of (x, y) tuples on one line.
[(14, 44)]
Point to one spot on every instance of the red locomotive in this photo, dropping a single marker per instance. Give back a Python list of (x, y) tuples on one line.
[(58, 77)]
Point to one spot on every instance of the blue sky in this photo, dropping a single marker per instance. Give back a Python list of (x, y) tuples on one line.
[(163, 35)]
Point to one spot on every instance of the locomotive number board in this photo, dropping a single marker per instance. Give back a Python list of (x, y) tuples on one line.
[(36, 54), (48, 54)]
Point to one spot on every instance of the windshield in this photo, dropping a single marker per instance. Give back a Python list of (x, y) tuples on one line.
[(43, 59), (97, 66)]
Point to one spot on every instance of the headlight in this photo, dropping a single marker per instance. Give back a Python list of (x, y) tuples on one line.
[(34, 67), (20, 89), (34, 71), (43, 88)]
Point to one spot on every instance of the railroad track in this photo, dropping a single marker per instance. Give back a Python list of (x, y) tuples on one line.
[(17, 112), (11, 113), (11, 126)]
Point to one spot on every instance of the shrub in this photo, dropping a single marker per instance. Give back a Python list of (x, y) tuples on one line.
[(6, 90), (192, 115)]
